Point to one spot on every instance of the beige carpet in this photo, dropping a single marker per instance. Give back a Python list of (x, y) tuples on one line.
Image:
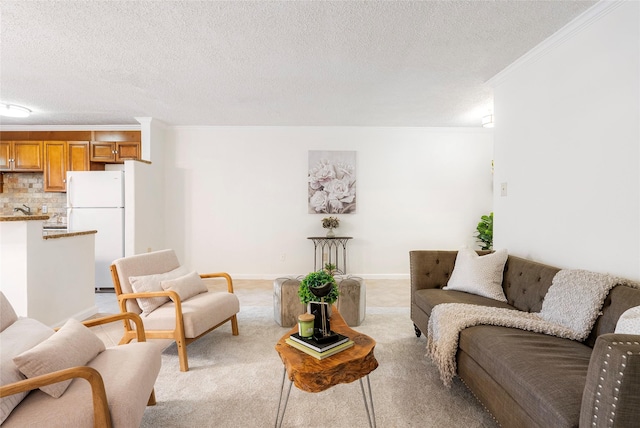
[(235, 382)]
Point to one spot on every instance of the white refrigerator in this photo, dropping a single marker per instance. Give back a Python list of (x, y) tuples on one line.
[(95, 201)]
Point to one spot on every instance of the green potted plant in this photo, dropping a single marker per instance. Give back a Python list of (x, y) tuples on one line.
[(319, 286), (485, 231), (317, 280)]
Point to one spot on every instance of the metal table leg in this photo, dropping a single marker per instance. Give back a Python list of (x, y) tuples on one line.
[(280, 417), (371, 416)]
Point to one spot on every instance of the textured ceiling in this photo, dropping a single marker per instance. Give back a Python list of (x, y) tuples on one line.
[(293, 63)]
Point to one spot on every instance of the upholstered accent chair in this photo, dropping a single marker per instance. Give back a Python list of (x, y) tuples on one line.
[(68, 378), (172, 302)]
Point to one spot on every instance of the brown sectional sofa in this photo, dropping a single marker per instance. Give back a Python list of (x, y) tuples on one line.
[(527, 379)]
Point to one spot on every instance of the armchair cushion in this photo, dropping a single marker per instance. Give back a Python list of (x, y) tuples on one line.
[(142, 264), (72, 345), (150, 283), (186, 286), (199, 313), (129, 373), (23, 334)]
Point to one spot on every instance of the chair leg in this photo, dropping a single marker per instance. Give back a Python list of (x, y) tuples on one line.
[(234, 325), (181, 343), (152, 398)]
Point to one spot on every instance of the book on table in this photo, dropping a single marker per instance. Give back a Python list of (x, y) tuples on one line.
[(315, 345), (320, 355)]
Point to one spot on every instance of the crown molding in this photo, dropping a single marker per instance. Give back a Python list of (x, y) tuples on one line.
[(583, 21), (127, 127)]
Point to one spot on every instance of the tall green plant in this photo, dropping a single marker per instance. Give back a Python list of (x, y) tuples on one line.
[(485, 231)]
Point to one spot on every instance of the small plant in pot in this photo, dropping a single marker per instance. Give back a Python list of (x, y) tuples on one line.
[(319, 286), (330, 223), (317, 280)]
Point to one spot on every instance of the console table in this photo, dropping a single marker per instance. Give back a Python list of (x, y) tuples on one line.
[(335, 247)]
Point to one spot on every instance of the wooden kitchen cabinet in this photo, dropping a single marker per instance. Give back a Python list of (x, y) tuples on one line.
[(55, 166), (114, 152), (21, 156), (60, 157), (78, 156), (5, 155)]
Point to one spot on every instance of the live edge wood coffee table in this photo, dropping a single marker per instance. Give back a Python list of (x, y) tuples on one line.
[(312, 375)]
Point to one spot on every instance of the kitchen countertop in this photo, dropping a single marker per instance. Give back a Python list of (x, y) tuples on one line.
[(24, 217), (53, 234), (48, 233)]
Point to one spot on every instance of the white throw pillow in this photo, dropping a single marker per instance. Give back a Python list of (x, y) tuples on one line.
[(22, 335), (73, 345), (149, 283), (481, 275), (629, 321), (186, 286)]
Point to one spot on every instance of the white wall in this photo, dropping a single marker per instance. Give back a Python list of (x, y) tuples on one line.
[(567, 141), (236, 197), (144, 193), (47, 279)]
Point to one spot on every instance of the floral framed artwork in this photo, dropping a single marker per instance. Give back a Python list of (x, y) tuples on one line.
[(332, 182)]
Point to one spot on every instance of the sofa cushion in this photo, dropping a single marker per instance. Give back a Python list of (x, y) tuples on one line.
[(481, 275), (526, 282), (72, 345), (129, 373), (150, 283), (427, 298), (23, 334), (186, 286), (544, 374), (7, 314)]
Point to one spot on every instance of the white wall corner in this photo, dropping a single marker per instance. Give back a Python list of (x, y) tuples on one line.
[(583, 21)]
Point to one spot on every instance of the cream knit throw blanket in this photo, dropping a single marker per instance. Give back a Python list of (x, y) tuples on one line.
[(569, 310)]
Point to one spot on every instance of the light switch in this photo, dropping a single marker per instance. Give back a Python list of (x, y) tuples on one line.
[(503, 189)]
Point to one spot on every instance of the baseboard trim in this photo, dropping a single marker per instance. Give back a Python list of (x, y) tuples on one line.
[(295, 275)]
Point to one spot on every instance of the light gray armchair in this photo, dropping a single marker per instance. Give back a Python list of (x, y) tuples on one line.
[(152, 284)]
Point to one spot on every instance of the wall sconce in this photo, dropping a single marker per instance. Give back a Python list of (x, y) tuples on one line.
[(487, 121), (12, 110)]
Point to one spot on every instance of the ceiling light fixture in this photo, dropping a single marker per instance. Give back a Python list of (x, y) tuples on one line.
[(487, 121), (12, 110)]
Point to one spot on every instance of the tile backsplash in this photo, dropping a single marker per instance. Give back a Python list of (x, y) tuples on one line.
[(28, 188)]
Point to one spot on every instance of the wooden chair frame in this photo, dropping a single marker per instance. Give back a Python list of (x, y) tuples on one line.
[(176, 334), (101, 415)]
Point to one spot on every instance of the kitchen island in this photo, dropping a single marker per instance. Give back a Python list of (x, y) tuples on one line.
[(49, 275)]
